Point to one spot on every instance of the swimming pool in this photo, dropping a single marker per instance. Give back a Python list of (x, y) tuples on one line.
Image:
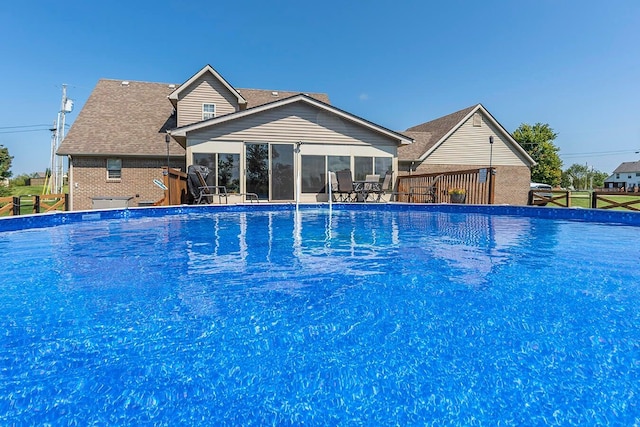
[(368, 316)]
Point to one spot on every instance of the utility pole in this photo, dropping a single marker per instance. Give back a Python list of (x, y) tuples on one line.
[(57, 172)]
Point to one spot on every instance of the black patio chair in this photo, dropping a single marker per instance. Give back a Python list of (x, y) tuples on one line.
[(345, 186)]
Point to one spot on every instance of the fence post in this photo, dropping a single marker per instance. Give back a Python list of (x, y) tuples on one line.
[(594, 200), (66, 201), (16, 205), (36, 204)]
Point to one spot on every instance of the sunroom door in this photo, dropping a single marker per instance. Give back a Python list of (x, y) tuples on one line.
[(257, 170), (282, 176), (269, 171)]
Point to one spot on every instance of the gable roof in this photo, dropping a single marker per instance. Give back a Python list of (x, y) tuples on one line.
[(130, 118), (175, 95), (430, 135), (627, 167), (426, 135), (123, 118), (400, 138), (256, 97)]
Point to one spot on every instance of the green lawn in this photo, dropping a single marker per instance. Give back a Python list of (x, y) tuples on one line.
[(27, 190), (26, 205), (582, 199)]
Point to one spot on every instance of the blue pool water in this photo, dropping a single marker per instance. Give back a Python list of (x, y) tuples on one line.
[(354, 317)]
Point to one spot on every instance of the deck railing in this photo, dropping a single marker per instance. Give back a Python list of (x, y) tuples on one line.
[(176, 183), (478, 185)]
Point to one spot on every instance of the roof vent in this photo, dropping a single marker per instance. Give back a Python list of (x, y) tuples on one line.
[(125, 83), (477, 119), (274, 93)]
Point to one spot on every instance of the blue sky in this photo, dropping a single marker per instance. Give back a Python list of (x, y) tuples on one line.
[(572, 64)]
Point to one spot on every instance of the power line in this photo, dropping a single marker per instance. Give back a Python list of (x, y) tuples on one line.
[(598, 153), (27, 130), (25, 126)]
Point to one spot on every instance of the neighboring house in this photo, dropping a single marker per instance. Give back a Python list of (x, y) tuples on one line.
[(39, 179), (460, 141), (627, 175), (279, 145)]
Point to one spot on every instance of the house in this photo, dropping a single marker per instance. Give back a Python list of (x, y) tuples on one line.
[(40, 178), (466, 139), (627, 176), (276, 144)]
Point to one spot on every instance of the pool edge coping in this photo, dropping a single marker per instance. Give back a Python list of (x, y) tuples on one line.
[(50, 219)]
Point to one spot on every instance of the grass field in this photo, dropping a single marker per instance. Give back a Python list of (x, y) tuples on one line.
[(582, 199), (27, 190), (26, 205)]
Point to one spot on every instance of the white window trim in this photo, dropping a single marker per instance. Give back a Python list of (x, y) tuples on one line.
[(206, 115), (107, 169)]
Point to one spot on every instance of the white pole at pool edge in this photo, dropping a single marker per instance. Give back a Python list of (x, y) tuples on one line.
[(330, 185), (298, 177)]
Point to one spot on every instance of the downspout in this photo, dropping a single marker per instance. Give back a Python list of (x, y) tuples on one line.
[(71, 182)]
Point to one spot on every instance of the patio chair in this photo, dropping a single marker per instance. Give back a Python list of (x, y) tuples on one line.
[(427, 194), (193, 182), (333, 182), (345, 185), (370, 179), (207, 192), (370, 187), (386, 186)]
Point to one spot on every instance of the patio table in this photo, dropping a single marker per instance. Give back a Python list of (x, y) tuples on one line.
[(364, 188)]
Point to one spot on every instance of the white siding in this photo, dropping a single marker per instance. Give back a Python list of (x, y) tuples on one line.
[(469, 145), (294, 123), (206, 89), (320, 132)]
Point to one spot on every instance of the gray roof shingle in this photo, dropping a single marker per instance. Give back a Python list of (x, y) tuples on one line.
[(120, 119), (132, 119), (426, 135), (628, 167), (256, 97)]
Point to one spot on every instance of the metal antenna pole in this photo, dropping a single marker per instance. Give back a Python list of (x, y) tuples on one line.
[(66, 106)]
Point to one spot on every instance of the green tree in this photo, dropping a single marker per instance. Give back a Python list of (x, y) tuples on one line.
[(21, 180), (581, 177), (5, 162), (537, 140), (576, 176), (598, 179)]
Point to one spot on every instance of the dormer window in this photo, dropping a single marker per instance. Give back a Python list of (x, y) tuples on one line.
[(208, 111)]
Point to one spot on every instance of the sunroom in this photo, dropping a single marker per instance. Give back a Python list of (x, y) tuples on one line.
[(283, 151)]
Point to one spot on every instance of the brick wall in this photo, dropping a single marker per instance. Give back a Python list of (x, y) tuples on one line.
[(512, 182), (89, 175)]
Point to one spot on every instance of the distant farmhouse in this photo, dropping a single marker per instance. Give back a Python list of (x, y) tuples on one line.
[(267, 142), (38, 180), (627, 176)]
